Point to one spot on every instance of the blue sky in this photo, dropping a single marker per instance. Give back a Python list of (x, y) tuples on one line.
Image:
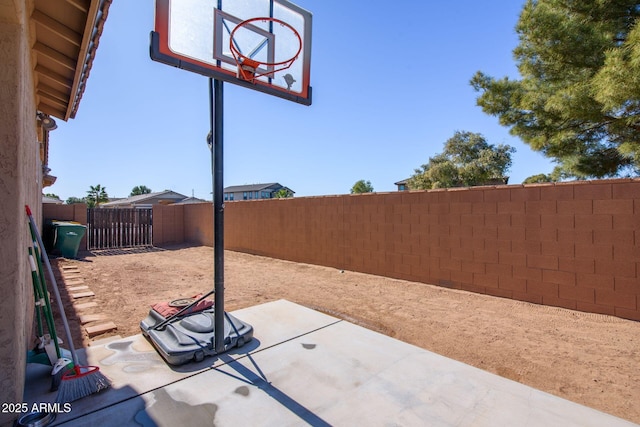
[(390, 85)]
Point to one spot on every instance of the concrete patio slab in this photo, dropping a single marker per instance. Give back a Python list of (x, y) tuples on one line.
[(304, 367)]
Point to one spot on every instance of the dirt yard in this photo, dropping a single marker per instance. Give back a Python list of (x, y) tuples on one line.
[(587, 358)]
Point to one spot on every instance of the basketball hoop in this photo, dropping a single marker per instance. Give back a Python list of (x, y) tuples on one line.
[(250, 69)]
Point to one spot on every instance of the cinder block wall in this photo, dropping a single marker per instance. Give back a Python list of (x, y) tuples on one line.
[(174, 224), (573, 245), (198, 223), (168, 224)]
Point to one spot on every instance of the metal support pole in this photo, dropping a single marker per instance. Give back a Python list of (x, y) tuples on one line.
[(216, 106)]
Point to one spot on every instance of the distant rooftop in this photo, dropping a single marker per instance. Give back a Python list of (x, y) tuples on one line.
[(141, 198), (255, 187)]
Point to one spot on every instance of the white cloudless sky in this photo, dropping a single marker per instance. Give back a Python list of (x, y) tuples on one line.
[(390, 85)]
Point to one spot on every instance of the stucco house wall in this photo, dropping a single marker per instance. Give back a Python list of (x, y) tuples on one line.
[(20, 184)]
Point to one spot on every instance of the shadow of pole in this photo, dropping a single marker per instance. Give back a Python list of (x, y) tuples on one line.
[(260, 381)]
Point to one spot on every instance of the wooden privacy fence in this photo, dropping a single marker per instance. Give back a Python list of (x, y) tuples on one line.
[(119, 228)]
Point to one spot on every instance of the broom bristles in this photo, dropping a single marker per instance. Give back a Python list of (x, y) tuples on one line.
[(61, 368), (80, 382)]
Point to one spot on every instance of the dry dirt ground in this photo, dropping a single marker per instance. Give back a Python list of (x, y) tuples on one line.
[(587, 358)]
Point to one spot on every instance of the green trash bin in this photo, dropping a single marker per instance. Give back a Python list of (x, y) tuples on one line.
[(67, 237)]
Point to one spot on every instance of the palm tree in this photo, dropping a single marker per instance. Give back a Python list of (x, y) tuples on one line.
[(96, 195), (282, 193)]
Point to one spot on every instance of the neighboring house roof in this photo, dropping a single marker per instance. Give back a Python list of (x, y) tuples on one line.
[(190, 200), (52, 200), (146, 199), (255, 187), (403, 182)]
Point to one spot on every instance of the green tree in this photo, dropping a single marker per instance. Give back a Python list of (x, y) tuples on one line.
[(53, 196), (578, 100), (96, 195), (72, 200), (283, 193), (140, 189), (537, 179), (467, 160), (362, 186)]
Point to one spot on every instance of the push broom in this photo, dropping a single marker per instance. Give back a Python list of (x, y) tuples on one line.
[(80, 381), (60, 364)]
